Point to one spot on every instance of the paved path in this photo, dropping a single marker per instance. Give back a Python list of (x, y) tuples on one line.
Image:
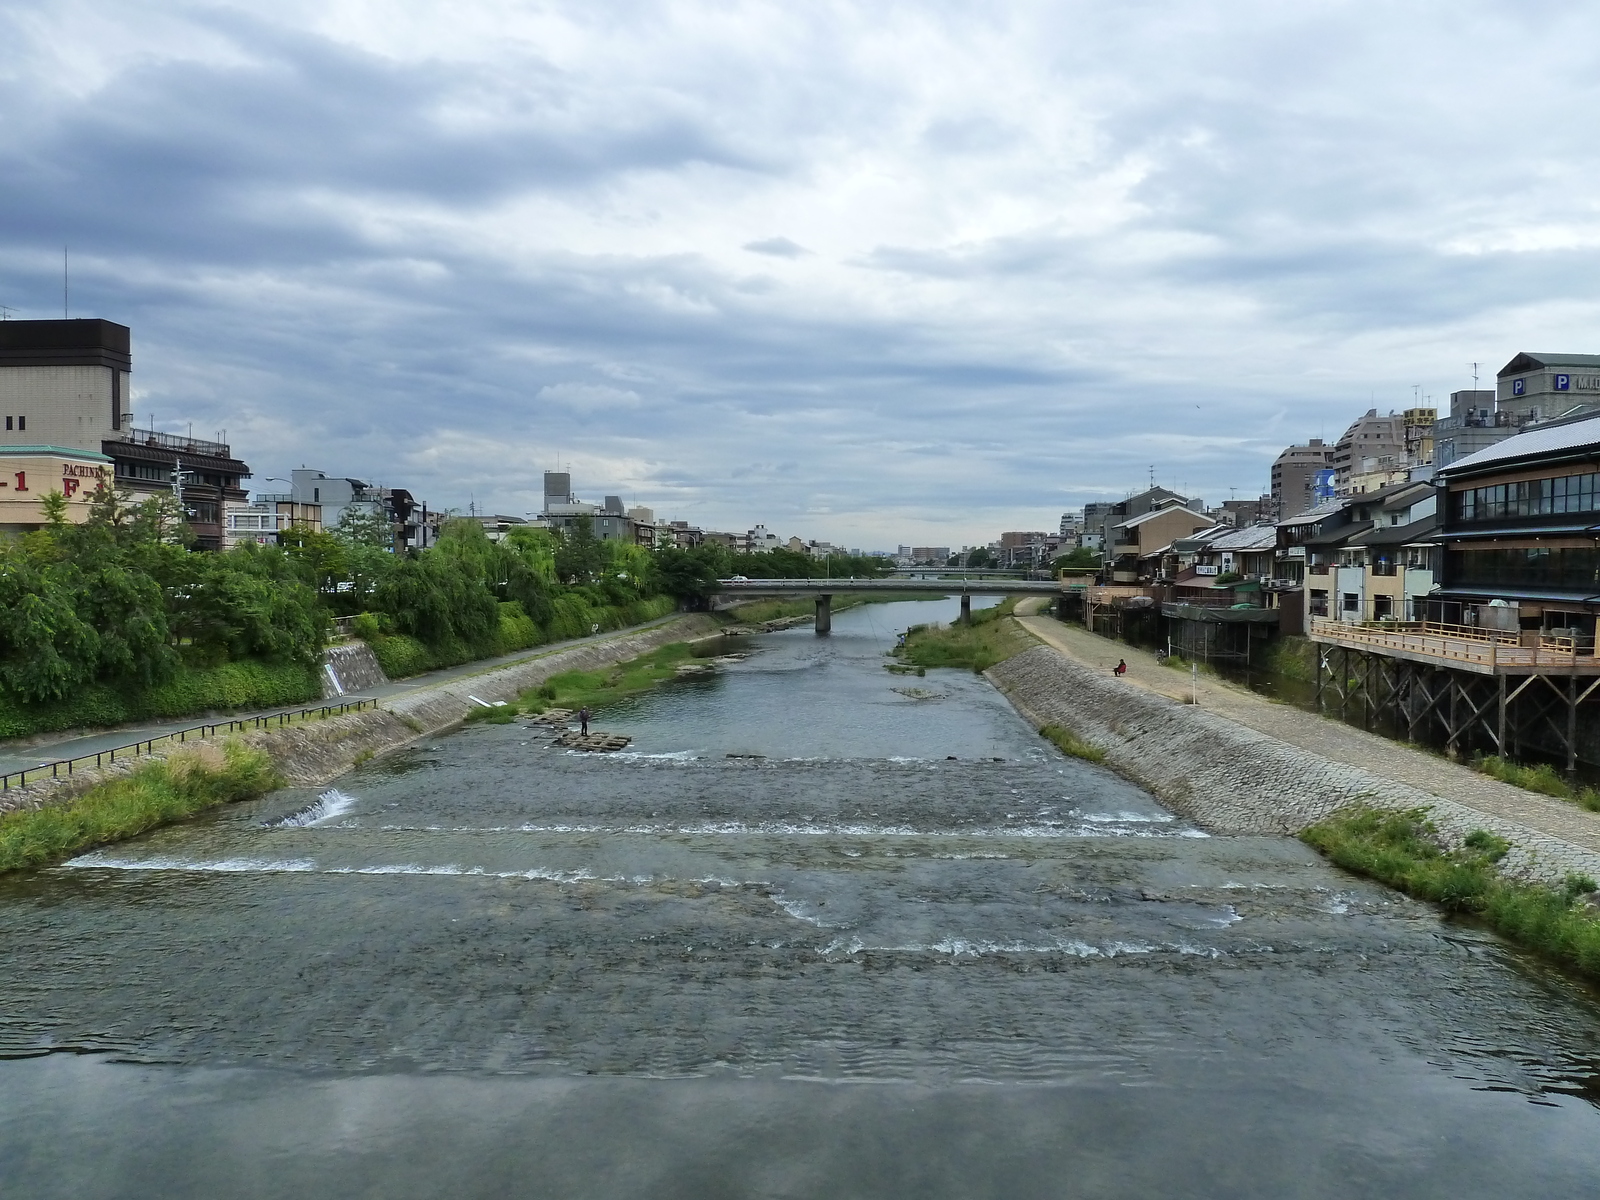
[(20, 753), (1331, 739)]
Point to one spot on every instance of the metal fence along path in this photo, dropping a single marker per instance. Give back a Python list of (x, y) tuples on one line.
[(146, 746)]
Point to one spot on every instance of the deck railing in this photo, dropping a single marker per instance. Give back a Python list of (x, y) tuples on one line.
[(1465, 644), (65, 766)]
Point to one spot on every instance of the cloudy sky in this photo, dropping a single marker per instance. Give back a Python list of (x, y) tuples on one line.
[(874, 273)]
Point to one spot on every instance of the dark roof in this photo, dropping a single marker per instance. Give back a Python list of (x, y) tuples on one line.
[(1569, 529), (1525, 362), (1339, 536), (1534, 442), (72, 343), (1398, 535)]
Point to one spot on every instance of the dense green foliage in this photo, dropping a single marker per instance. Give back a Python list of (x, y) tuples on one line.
[(115, 618), (190, 690), (153, 794), (989, 639), (1080, 558), (1400, 849)]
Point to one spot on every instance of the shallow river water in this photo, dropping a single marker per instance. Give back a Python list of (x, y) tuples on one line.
[(810, 936)]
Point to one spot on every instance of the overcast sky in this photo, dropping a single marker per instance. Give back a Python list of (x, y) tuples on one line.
[(872, 273)]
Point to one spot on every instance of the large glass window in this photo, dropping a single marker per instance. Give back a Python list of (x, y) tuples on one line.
[(1570, 570), (1530, 498)]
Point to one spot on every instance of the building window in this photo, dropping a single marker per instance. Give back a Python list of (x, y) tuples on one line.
[(1350, 601), (316, 495), (22, 423)]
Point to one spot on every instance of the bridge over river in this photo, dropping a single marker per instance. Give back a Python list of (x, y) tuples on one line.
[(977, 583)]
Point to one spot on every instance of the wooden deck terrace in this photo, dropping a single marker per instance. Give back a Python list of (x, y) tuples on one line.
[(1460, 647)]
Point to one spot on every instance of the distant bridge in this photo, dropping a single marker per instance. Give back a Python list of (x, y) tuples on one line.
[(969, 585)]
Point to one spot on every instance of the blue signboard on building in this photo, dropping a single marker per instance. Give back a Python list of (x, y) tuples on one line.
[(1322, 487), (1563, 383)]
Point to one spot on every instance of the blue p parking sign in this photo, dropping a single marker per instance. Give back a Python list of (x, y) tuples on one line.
[(1519, 386), (1563, 383)]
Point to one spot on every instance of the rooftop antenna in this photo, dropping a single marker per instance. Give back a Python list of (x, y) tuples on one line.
[(5, 312), (1475, 376), (1152, 474)]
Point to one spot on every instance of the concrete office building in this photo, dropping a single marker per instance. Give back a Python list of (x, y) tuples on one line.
[(1294, 474), (64, 398), (1369, 436)]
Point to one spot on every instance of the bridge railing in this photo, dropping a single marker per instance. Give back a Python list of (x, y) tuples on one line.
[(197, 733)]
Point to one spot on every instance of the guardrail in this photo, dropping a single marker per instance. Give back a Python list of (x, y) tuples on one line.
[(198, 732), (1489, 648)]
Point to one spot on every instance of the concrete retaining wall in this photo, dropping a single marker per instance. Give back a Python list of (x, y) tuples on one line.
[(1231, 779), (349, 667)]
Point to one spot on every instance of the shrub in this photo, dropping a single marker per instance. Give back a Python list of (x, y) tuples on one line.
[(1401, 849), (1070, 743)]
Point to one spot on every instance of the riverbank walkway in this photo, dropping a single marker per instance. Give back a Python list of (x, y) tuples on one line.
[(1331, 739), (19, 753)]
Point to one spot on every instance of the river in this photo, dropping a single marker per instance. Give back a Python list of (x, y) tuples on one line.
[(810, 935)]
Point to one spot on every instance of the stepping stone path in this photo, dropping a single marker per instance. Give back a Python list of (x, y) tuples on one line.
[(595, 742)]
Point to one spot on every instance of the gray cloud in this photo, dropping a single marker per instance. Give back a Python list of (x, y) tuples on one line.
[(1027, 255), (778, 247)]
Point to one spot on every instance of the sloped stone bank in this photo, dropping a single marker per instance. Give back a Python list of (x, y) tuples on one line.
[(1230, 779)]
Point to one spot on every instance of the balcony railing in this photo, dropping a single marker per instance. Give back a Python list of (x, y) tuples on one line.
[(1467, 646), (177, 441)]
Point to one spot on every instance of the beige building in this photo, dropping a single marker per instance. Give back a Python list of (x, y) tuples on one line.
[(30, 473), (1141, 536)]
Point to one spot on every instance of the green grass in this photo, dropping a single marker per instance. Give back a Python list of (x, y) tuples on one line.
[(1400, 849), (1070, 743), (988, 640), (1541, 778), (595, 689), (156, 793)]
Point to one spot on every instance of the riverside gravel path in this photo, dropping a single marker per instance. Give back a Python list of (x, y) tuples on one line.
[(1330, 739)]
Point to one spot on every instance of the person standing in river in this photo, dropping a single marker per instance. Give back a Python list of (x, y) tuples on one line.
[(583, 720)]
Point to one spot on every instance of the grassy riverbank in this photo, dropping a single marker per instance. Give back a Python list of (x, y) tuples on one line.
[(595, 689), (989, 639), (1399, 849), (156, 793), (1543, 778)]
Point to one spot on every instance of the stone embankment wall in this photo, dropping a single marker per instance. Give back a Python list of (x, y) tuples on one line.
[(1231, 779), (349, 667), (317, 751)]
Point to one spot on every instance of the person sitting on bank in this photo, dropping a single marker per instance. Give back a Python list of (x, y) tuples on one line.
[(1120, 669)]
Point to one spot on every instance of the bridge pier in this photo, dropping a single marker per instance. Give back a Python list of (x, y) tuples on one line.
[(824, 614), (966, 609)]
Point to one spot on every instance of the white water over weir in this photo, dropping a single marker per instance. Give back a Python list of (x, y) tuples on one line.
[(482, 966)]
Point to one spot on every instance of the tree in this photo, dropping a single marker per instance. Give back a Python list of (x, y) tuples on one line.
[(1080, 557), (579, 557), (365, 527), (982, 558)]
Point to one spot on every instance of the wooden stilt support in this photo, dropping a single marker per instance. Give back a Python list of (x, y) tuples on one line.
[(1500, 723), (1572, 724)]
